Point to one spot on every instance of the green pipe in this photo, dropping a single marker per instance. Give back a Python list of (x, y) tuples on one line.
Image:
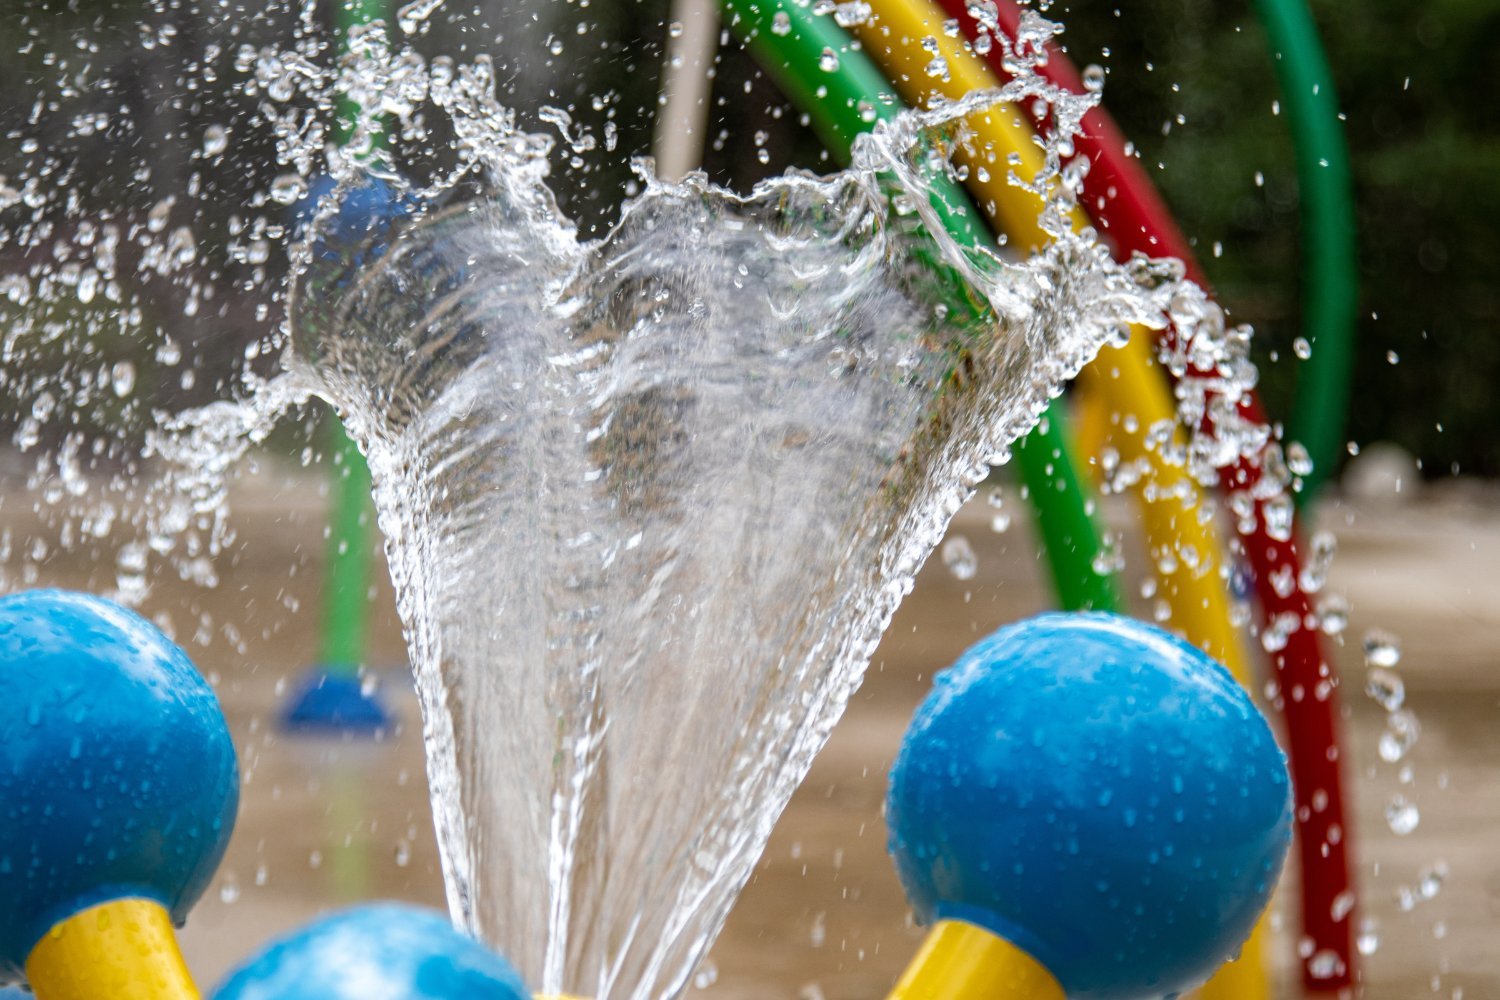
[(346, 606), (1330, 279), (789, 42), (346, 585)]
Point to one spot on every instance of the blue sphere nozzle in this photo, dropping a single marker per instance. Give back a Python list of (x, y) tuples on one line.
[(381, 952), (117, 773), (359, 227), (1099, 793)]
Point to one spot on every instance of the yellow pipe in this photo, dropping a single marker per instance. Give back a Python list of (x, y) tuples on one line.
[(923, 62), (961, 960), (895, 38), (120, 950), (1197, 595)]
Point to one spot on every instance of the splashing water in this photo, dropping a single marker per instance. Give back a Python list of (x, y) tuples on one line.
[(649, 500)]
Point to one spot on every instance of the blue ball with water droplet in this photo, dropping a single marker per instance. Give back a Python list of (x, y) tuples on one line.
[(357, 226), (117, 774), (382, 952), (1099, 793)]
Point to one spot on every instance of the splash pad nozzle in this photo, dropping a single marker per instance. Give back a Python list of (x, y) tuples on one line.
[(1085, 805), (119, 789)]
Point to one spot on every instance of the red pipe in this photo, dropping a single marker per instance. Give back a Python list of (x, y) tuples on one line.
[(1131, 216)]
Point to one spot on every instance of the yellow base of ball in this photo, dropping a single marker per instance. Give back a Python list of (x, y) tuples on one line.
[(124, 950)]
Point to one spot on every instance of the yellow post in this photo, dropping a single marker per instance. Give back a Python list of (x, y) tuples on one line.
[(121, 950), (906, 37), (960, 961)]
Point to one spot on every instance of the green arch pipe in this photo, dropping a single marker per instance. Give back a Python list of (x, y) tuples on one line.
[(1330, 290)]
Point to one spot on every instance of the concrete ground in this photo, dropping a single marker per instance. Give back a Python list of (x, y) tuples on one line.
[(325, 822)]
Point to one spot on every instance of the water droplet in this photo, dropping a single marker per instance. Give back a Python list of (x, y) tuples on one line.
[(1110, 558), (1381, 649), (122, 378), (1430, 880), (852, 14), (828, 62), (1385, 688), (1093, 78), (1280, 516), (1278, 631), (1325, 964), (414, 15), (402, 854), (959, 557), (1402, 815), (707, 974), (1319, 561), (1298, 460), (1400, 735), (781, 24), (999, 516), (215, 140), (1333, 614), (288, 189)]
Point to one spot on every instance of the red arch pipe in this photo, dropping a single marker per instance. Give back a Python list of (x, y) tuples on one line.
[(1131, 216)]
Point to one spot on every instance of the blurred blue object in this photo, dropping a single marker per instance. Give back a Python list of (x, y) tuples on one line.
[(359, 228), (1100, 794), (117, 773), (331, 697), (381, 952), (332, 701)]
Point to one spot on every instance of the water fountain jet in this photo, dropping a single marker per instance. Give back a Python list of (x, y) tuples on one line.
[(649, 503)]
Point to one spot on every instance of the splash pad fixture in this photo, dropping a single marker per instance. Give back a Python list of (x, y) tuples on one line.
[(1066, 768), (620, 428)]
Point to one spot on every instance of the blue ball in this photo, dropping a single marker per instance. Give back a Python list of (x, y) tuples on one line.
[(360, 229), (381, 952), (117, 774), (1099, 793)]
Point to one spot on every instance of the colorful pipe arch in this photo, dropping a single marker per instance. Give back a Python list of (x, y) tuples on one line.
[(896, 34)]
